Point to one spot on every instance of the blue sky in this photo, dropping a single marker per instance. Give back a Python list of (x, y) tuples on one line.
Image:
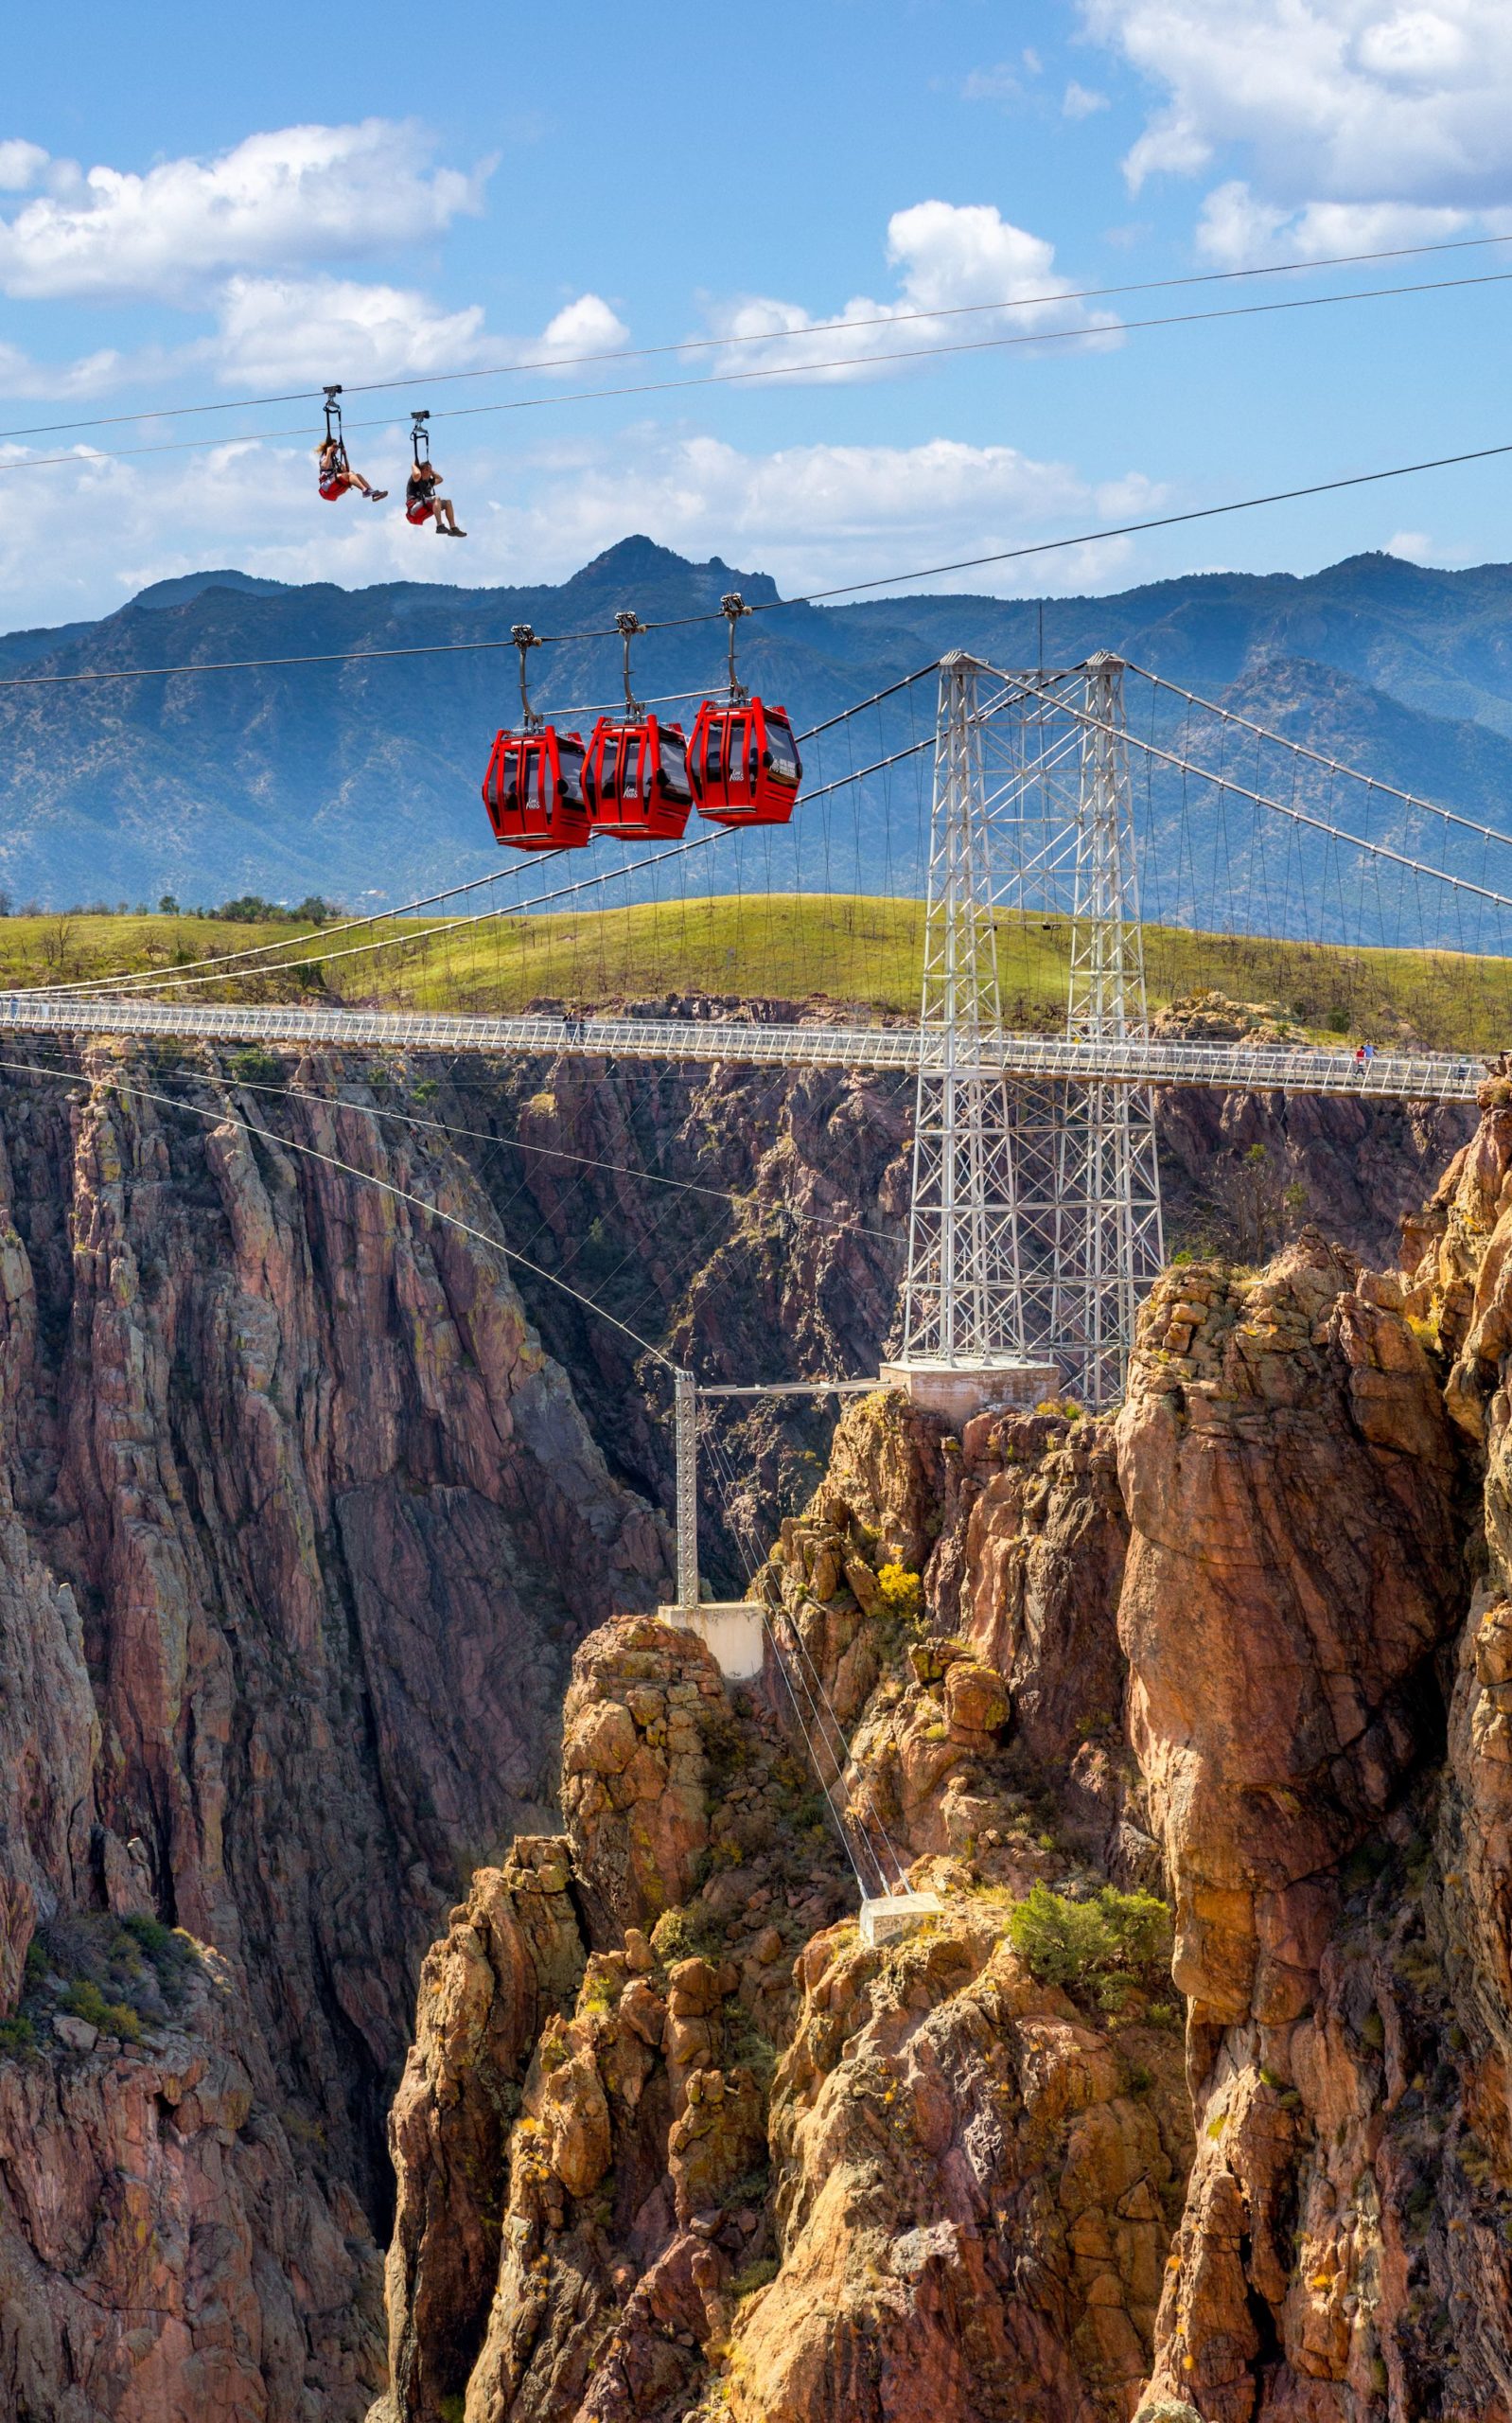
[(199, 206)]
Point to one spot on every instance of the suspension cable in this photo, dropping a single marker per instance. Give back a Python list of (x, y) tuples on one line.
[(139, 978), (611, 874), (1282, 807), (765, 336), (1317, 757)]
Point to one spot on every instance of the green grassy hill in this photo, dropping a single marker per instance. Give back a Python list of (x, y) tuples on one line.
[(861, 951)]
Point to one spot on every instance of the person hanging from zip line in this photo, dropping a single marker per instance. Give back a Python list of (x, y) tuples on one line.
[(335, 474), (421, 500)]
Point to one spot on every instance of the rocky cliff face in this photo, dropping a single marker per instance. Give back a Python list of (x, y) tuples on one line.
[(1241, 1655), (302, 1512), (298, 1528)]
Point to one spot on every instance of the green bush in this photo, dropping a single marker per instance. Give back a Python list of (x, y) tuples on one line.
[(149, 1935), (255, 1067), (17, 2035), (755, 2275), (1102, 1947), (87, 2002), (681, 1935)]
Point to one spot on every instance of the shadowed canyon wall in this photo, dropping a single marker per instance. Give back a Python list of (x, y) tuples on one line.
[(305, 1507)]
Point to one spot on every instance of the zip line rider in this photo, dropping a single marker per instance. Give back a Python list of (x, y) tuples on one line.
[(421, 502), (334, 473)]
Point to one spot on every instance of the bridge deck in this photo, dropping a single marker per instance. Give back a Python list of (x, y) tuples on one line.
[(1244, 1068)]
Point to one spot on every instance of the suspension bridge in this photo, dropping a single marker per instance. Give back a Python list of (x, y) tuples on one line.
[(1059, 846), (1053, 863)]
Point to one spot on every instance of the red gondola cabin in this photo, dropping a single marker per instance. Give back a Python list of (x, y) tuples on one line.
[(743, 763), (636, 780), (534, 791)]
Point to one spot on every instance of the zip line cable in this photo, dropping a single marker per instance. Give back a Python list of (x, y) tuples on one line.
[(761, 336), (775, 605), (347, 1169), (780, 370)]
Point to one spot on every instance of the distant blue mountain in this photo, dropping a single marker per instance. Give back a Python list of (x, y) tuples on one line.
[(362, 781)]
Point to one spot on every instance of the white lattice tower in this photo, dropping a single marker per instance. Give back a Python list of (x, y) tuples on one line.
[(1109, 1244), (1035, 1226), (962, 1297)]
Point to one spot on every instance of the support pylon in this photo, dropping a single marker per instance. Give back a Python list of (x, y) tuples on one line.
[(1108, 1243), (963, 1342), (1036, 1223)]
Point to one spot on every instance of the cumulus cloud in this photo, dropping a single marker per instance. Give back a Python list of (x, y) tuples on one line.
[(79, 542), (303, 193), (276, 330), (1396, 113), (945, 255)]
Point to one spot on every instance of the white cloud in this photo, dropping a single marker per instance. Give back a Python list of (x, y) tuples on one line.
[(1416, 547), (303, 193), (20, 165), (946, 254), (1078, 101), (79, 542), (276, 330), (1237, 228), (588, 326), (1361, 106)]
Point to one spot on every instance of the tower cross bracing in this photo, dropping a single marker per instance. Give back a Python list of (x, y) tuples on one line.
[(1035, 1225)]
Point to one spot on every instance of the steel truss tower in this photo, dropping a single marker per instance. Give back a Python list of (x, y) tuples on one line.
[(1035, 1227), (963, 1297)]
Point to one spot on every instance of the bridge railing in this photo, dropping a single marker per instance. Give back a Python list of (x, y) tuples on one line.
[(1140, 1060)]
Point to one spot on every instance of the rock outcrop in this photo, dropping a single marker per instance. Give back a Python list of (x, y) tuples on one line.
[(1249, 1645), (304, 1509)]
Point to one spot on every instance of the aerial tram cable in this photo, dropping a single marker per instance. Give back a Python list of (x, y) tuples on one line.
[(634, 777), (221, 1118), (220, 963), (780, 370), (776, 604), (169, 978), (766, 336)]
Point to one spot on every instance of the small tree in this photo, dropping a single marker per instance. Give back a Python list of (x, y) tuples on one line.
[(1256, 1209), (58, 947)]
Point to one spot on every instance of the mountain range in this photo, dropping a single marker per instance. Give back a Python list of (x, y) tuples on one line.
[(362, 781)]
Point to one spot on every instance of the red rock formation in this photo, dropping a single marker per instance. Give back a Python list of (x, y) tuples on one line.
[(298, 1528)]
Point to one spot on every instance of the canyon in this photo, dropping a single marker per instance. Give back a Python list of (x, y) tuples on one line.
[(426, 1990)]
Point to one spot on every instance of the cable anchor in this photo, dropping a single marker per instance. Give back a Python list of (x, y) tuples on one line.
[(525, 639), (733, 606), (627, 623)]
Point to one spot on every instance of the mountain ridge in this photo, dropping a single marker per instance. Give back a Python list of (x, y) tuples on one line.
[(362, 779)]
